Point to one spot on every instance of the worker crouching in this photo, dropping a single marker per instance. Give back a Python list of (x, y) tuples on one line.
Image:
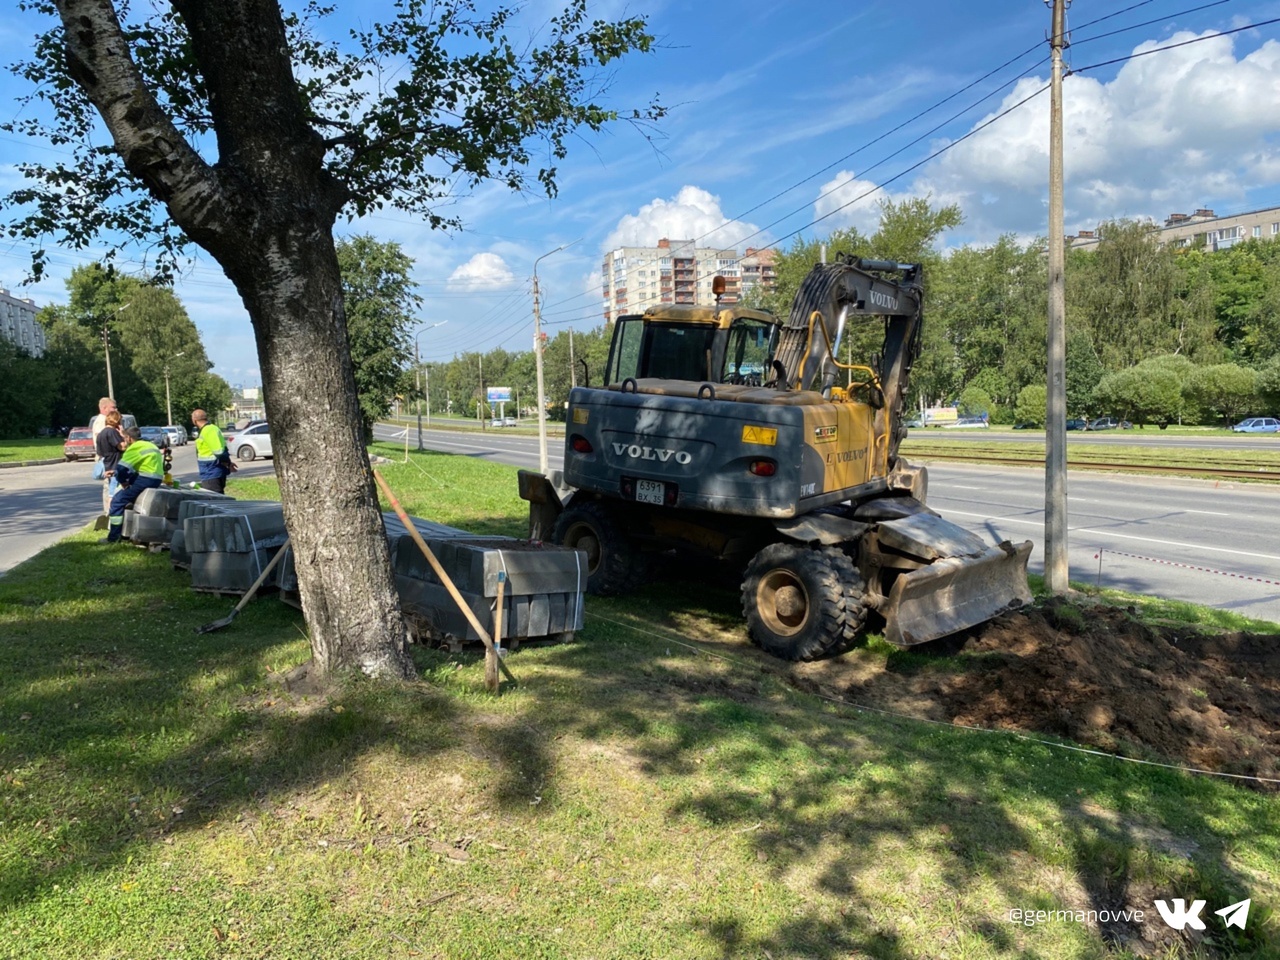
[(141, 467)]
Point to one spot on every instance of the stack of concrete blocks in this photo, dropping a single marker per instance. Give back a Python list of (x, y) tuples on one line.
[(179, 555), (542, 597), (154, 515), (230, 547)]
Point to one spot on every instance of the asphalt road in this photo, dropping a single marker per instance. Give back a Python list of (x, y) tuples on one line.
[(1150, 437), (41, 505), (1208, 542), (1212, 543)]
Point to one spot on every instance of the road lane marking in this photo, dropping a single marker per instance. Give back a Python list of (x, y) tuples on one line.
[(1120, 536)]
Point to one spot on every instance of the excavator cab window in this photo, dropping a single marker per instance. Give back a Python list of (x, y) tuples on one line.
[(748, 352), (666, 351)]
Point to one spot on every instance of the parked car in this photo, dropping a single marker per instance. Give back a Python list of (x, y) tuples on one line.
[(177, 436), (1109, 423), (1077, 423), (251, 442), (974, 423), (157, 435), (914, 424), (1257, 425), (1026, 426), (79, 444), (503, 422)]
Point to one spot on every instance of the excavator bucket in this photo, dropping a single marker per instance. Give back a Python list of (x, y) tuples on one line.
[(966, 582)]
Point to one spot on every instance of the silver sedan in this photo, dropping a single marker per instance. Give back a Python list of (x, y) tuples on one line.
[(250, 443)]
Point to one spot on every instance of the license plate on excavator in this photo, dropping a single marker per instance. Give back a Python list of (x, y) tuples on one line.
[(651, 491)]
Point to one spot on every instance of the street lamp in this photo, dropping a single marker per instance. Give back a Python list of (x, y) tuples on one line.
[(106, 347), (168, 406), (417, 379), (537, 359)]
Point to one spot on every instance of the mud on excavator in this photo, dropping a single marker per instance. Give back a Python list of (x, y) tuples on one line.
[(723, 430)]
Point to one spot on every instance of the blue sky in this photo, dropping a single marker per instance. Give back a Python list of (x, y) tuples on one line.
[(776, 114)]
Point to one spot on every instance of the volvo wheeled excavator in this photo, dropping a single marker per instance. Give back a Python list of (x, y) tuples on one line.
[(725, 430)]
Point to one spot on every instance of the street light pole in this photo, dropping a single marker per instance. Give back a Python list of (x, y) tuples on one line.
[(168, 405), (537, 359), (417, 379), (106, 348)]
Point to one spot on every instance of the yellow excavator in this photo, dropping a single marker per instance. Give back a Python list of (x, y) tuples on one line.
[(723, 430)]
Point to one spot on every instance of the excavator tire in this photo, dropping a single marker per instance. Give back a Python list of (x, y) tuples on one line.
[(614, 566), (802, 602)]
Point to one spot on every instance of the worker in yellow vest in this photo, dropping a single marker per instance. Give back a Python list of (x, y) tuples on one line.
[(212, 456), (141, 467)]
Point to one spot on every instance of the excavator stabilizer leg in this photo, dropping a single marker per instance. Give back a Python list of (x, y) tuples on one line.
[(953, 593)]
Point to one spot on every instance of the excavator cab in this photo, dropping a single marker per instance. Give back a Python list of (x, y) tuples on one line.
[(694, 344)]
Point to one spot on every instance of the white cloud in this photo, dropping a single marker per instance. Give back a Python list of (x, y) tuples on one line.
[(1176, 130), (482, 271), (693, 213), (846, 201)]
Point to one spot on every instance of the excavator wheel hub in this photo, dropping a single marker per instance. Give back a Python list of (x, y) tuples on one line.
[(783, 602)]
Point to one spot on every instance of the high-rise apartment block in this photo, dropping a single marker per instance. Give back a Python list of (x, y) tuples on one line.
[(679, 272), (18, 323)]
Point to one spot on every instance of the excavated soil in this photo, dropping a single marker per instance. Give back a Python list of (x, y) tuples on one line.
[(1092, 674)]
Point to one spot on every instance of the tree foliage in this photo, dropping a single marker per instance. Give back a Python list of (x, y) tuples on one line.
[(381, 299)]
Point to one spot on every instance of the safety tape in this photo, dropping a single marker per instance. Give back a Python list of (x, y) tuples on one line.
[(1188, 566)]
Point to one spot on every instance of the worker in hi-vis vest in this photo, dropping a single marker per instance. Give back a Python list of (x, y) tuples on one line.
[(141, 467), (212, 455)]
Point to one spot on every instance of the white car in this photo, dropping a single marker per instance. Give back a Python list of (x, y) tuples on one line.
[(250, 443), (177, 436)]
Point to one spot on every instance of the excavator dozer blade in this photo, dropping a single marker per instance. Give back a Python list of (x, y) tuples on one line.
[(953, 593)]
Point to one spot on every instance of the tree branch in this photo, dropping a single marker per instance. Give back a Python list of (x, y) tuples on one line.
[(153, 149)]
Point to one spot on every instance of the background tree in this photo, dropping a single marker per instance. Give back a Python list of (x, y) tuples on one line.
[(28, 390), (975, 402), (1151, 392), (1268, 385), (237, 128), (380, 299), (1225, 390), (1033, 404)]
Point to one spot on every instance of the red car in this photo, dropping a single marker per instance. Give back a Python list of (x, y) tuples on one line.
[(79, 444)]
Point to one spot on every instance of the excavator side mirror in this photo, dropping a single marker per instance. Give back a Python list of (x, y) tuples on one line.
[(586, 373)]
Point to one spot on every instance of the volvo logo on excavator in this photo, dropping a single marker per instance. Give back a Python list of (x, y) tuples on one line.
[(883, 300), (636, 452)]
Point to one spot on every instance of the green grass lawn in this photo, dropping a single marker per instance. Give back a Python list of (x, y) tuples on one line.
[(44, 448), (644, 792)]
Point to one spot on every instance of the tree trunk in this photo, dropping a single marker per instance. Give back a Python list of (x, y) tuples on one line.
[(330, 503), (266, 211)]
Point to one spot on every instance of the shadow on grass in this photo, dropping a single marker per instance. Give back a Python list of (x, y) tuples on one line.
[(116, 715), (897, 823)]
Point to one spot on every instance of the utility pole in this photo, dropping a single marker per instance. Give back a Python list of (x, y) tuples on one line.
[(417, 379), (537, 359), (106, 348), (417, 385), (480, 404), (573, 373), (168, 406), (1055, 469)]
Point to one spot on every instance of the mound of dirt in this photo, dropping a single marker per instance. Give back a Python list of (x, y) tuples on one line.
[(1094, 675)]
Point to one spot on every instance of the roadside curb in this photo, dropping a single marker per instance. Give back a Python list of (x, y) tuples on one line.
[(31, 463)]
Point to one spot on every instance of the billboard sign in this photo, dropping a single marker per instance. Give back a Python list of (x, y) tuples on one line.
[(498, 394)]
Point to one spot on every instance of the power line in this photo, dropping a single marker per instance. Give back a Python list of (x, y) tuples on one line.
[(1175, 46)]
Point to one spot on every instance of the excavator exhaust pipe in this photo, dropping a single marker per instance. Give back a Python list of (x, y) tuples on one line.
[(954, 593)]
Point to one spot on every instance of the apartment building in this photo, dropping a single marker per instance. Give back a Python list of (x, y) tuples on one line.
[(1204, 229), (18, 323), (679, 272)]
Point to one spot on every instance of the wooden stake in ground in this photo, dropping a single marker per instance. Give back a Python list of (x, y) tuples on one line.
[(491, 657), (442, 574)]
